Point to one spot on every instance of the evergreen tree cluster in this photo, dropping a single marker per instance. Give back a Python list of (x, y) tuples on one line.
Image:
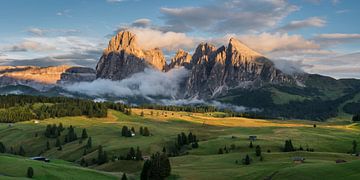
[(53, 131), (182, 139), (15, 108), (356, 118), (288, 146), (144, 131), (15, 114), (102, 156), (127, 132), (158, 167), (133, 155), (3, 149), (71, 135)]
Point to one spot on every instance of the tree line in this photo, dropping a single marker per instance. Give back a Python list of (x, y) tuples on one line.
[(15, 108)]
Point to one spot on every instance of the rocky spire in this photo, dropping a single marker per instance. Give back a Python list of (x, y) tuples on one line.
[(122, 40), (181, 58), (123, 57)]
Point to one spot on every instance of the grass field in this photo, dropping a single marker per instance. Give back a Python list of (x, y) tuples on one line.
[(331, 141)]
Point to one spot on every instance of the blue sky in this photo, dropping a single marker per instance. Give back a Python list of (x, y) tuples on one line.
[(319, 36)]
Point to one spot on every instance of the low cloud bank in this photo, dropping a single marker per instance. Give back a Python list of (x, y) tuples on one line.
[(147, 83), (217, 104)]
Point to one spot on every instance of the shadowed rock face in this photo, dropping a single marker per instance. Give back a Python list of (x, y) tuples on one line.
[(214, 71), (181, 58), (122, 58)]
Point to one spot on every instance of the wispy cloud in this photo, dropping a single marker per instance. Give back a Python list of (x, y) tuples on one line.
[(337, 38), (306, 23), (227, 16)]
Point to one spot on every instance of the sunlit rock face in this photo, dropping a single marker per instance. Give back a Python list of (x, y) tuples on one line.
[(123, 58), (41, 77)]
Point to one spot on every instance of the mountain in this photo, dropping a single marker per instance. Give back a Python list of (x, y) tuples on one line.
[(213, 71), (237, 75), (123, 58), (44, 77), (216, 70)]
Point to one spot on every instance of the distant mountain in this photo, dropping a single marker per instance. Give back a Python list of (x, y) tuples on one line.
[(42, 78)]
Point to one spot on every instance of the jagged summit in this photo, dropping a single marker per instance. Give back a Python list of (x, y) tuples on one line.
[(122, 40), (123, 57), (237, 45), (181, 58), (212, 71)]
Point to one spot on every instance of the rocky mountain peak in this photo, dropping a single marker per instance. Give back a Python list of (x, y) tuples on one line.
[(181, 58), (123, 57), (237, 46), (122, 40)]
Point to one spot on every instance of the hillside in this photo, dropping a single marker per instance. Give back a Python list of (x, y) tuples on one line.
[(330, 141), (14, 167)]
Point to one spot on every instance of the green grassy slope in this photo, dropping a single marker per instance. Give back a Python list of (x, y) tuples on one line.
[(13, 167), (331, 141)]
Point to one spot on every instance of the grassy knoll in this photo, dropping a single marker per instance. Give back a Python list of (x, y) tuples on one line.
[(331, 141), (13, 167)]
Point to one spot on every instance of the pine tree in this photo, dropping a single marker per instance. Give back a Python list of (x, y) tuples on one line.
[(138, 155), (145, 173), (84, 134), (89, 143), (164, 150), (184, 139), (2, 148), (133, 129), (247, 160), (146, 132), (82, 162), (30, 172), (124, 177), (190, 138), (124, 131), (179, 140), (141, 131), (100, 155), (220, 151), (58, 143), (251, 145), (47, 145), (258, 150), (354, 148), (288, 146), (21, 151)]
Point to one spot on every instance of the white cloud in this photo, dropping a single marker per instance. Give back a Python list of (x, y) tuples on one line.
[(36, 31), (339, 66), (337, 38), (228, 16), (147, 83), (300, 24), (149, 38), (143, 22)]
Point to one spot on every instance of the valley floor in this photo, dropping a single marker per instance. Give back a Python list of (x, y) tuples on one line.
[(330, 141)]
